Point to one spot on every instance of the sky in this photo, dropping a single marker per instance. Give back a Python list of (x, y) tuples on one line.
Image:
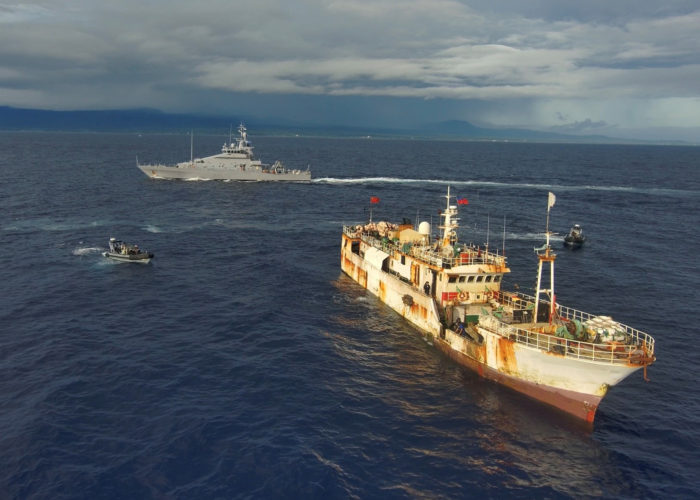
[(622, 68)]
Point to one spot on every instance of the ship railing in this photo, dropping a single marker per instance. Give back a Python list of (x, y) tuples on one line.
[(637, 349), (371, 239), (427, 253), (357, 232), (470, 257), (631, 335)]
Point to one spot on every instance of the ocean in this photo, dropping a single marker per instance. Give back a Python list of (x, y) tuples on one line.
[(241, 362)]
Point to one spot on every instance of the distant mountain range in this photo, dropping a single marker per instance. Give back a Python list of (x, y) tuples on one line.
[(149, 120), (146, 120)]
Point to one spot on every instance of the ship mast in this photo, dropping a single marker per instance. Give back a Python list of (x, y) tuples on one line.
[(191, 147), (504, 235), (550, 257), (450, 224)]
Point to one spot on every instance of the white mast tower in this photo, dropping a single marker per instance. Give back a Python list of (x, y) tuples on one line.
[(450, 224), (550, 257)]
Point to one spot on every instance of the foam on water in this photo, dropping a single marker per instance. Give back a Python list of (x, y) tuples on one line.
[(510, 185), (87, 250)]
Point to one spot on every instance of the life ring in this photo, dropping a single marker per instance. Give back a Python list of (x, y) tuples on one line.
[(463, 296)]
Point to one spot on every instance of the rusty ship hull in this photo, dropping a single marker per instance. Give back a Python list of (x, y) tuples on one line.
[(500, 335)]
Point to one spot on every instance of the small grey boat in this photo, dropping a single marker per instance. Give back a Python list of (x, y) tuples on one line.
[(119, 250)]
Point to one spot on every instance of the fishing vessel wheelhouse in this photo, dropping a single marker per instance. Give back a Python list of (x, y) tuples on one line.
[(452, 292)]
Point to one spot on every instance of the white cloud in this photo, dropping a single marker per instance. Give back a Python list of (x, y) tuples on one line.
[(546, 57)]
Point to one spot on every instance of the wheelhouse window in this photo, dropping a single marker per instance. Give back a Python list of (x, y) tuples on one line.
[(488, 278), (497, 278), (471, 279), (462, 278), (479, 279), (452, 279)]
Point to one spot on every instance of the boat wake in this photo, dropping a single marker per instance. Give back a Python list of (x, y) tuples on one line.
[(376, 180), (87, 250), (49, 225), (505, 185), (533, 236)]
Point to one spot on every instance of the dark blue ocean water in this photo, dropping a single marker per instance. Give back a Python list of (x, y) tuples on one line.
[(241, 363)]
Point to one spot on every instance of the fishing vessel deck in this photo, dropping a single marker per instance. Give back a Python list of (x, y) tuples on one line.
[(629, 345), (430, 254), (510, 313)]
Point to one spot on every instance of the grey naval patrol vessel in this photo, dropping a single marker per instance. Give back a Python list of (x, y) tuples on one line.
[(235, 163)]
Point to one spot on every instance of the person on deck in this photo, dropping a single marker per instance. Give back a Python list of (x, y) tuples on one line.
[(459, 326)]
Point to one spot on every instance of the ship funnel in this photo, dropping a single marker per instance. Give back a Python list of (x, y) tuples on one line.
[(424, 228)]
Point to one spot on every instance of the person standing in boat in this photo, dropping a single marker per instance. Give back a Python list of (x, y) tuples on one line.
[(426, 288)]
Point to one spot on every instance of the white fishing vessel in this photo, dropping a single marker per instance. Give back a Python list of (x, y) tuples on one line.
[(452, 292), (236, 162)]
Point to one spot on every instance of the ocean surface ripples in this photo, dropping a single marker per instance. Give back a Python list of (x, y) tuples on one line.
[(241, 363)]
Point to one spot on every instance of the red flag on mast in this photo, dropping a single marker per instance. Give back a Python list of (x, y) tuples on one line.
[(374, 199), (462, 201)]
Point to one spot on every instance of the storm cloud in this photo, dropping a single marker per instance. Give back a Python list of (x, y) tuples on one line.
[(626, 64)]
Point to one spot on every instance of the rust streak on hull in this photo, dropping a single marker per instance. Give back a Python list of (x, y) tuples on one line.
[(362, 277), (506, 356)]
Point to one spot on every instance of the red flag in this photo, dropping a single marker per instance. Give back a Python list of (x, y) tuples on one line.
[(462, 201), (374, 199)]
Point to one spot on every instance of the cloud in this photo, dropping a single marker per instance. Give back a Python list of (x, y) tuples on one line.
[(548, 58), (585, 126)]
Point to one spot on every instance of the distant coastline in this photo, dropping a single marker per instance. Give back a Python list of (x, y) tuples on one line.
[(154, 121)]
